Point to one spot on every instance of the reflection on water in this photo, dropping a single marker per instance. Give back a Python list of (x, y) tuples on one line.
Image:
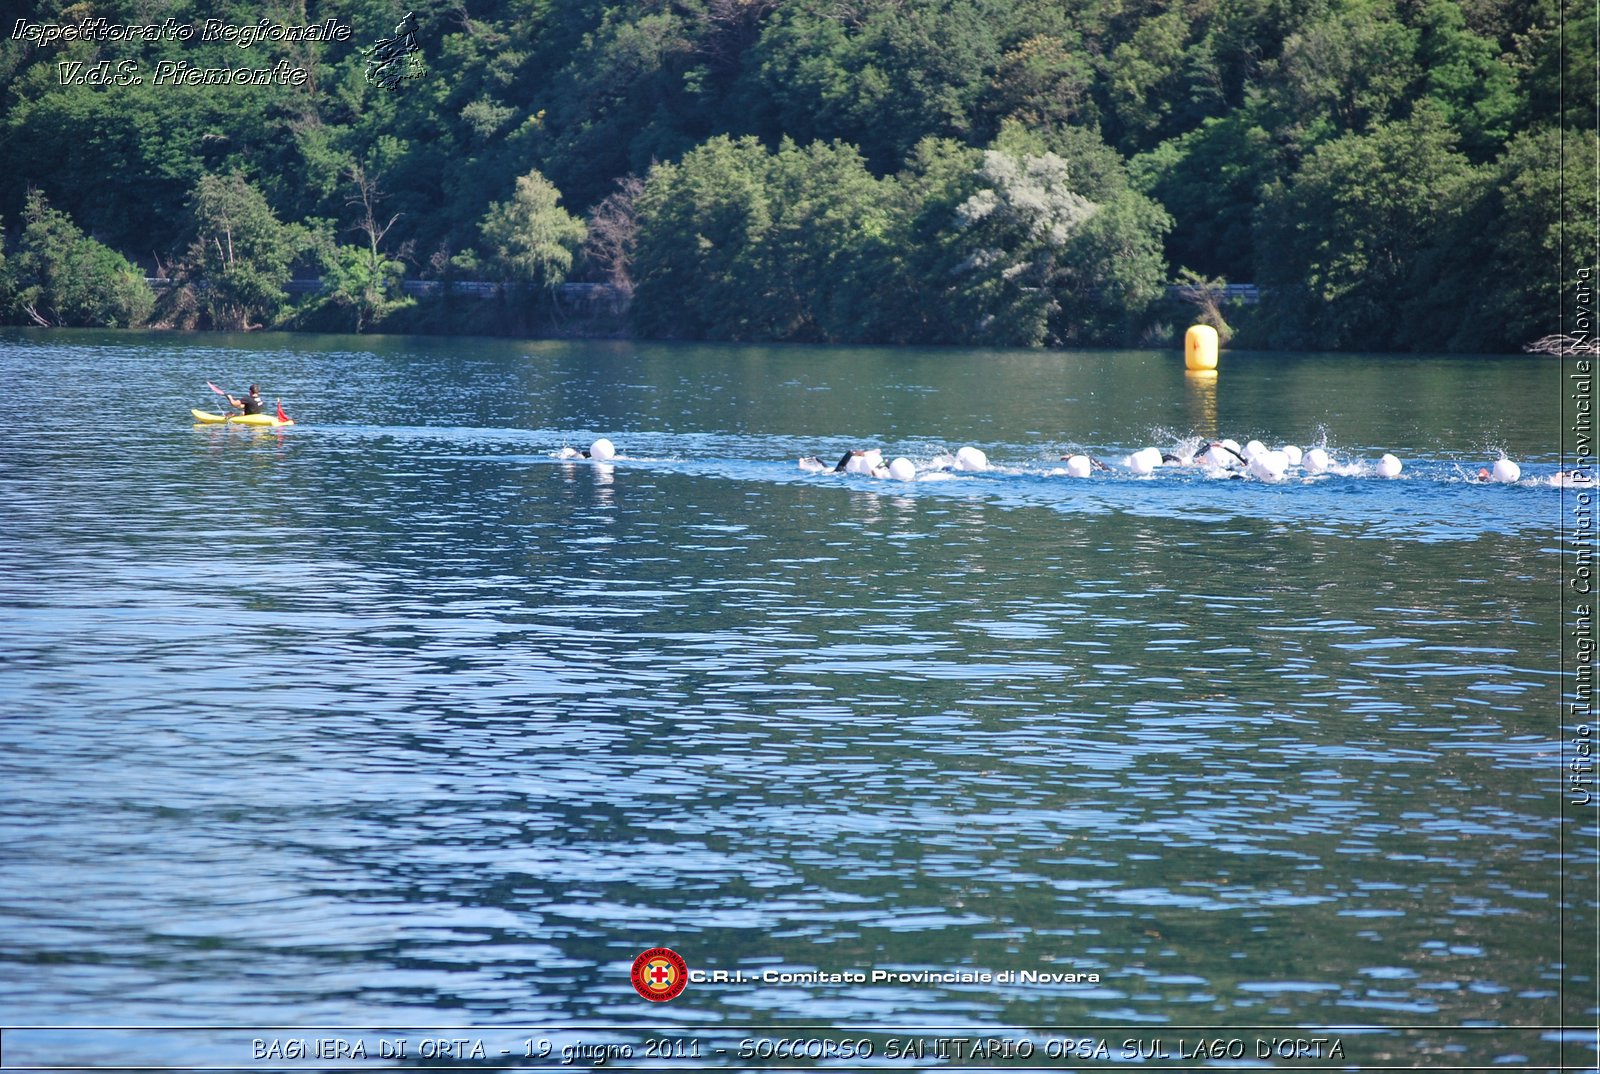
[(391, 718)]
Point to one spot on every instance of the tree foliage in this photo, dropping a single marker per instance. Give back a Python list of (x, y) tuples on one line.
[(804, 244), (1347, 240), (736, 242), (531, 237), (60, 276), (1236, 138), (239, 257), (1015, 229)]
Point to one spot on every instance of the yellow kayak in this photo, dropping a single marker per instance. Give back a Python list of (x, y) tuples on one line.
[(205, 418)]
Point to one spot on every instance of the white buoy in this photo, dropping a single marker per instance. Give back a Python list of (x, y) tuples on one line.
[(1079, 466), (901, 469), (971, 458), (1291, 453), (602, 450), (1506, 472), (1388, 466), (1316, 461)]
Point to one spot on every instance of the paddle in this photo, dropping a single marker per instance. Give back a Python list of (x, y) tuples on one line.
[(224, 395)]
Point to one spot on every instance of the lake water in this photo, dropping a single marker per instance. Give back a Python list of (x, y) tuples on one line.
[(391, 719)]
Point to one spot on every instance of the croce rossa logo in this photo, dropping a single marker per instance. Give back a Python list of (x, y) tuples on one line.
[(660, 974)]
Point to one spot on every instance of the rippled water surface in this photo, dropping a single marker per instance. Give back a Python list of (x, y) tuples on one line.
[(391, 718)]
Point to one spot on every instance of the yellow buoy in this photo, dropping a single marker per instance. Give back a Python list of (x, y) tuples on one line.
[(1200, 347)]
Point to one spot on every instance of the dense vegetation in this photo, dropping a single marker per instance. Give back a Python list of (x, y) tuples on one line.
[(1018, 172)]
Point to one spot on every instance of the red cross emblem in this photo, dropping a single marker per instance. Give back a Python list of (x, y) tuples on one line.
[(660, 974)]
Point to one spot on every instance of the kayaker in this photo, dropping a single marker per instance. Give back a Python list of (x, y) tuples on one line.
[(250, 404)]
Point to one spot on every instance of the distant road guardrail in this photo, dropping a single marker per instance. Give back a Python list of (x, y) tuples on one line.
[(605, 294), (1247, 293), (584, 292)]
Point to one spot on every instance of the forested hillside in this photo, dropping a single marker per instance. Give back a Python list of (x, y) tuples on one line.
[(1013, 172)]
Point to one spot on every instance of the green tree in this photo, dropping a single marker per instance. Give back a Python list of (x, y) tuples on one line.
[(1465, 74), (1556, 55), (878, 76), (624, 100), (818, 261), (62, 277), (120, 160), (1045, 264), (1098, 171), (1345, 244), (1210, 179), (739, 243), (7, 284), (1144, 75), (699, 223), (1014, 230), (1500, 273), (1352, 68), (915, 272), (1224, 102), (1113, 272), (364, 280), (531, 238), (1042, 83), (239, 258), (1545, 229), (366, 286)]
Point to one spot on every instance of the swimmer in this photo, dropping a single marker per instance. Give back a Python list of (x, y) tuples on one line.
[(1268, 465), (856, 461), (1217, 454), (971, 458), (1504, 472), (1144, 461), (602, 450)]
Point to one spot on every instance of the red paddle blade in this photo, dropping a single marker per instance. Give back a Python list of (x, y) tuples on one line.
[(214, 388), (281, 415)]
